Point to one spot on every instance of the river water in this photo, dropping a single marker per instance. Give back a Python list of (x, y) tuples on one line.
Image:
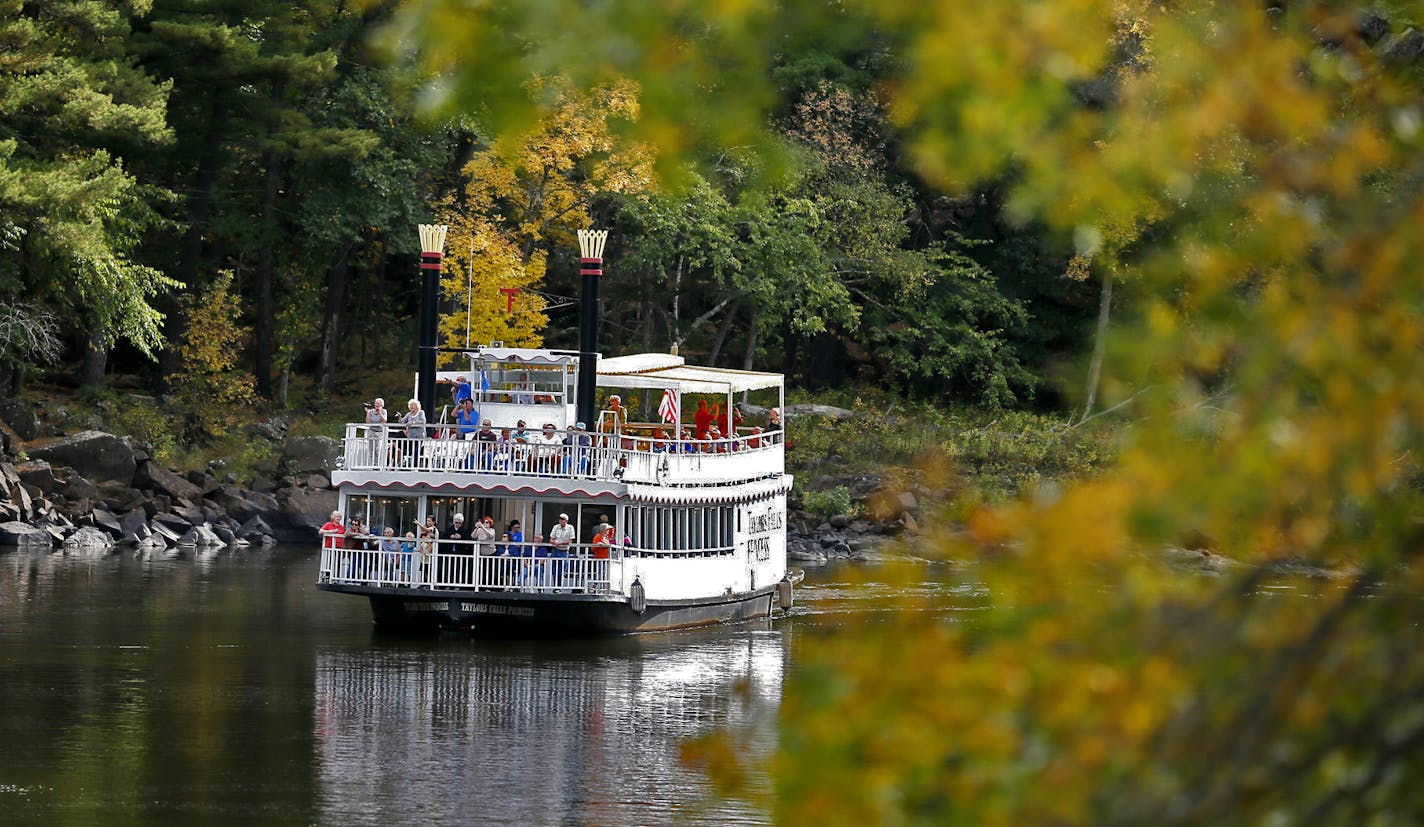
[(223, 688)]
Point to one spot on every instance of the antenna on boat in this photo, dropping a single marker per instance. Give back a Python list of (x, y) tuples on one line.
[(432, 250), (591, 268)]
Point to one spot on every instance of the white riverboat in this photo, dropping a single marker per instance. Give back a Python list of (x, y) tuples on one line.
[(668, 530)]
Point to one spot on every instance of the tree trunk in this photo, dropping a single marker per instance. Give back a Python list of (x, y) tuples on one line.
[(96, 358), (1099, 344), (337, 278), (722, 330), (750, 354), (262, 364)]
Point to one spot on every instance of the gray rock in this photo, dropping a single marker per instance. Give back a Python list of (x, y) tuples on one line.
[(132, 521), (242, 503), (804, 556), (860, 526), (174, 523), (310, 454), (16, 533), (1404, 48), (38, 473), (273, 430), (164, 532), (317, 481), (79, 488), (153, 476), (864, 486), (254, 529), (19, 414), (108, 523), (1372, 26), (839, 521), (192, 516), (225, 534), (265, 484), (90, 538), (95, 454), (908, 501), (301, 512), (200, 536)]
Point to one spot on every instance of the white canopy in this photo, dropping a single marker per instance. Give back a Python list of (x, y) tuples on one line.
[(527, 355), (661, 370)]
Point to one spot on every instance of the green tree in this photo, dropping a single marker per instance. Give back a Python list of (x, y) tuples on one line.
[(71, 214)]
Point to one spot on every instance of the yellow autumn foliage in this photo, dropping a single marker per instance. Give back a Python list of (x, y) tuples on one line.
[(528, 194), (1254, 170)]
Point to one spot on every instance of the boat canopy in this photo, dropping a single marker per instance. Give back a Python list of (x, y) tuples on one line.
[(525, 355), (662, 370)]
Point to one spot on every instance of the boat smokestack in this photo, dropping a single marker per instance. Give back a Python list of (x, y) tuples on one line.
[(432, 250), (591, 268)]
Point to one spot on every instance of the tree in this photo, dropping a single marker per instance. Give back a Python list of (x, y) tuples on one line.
[(70, 105), (528, 194), (1274, 151)]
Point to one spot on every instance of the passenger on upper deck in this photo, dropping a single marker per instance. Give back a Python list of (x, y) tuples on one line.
[(462, 390), (414, 421), (702, 418), (551, 444), (613, 418), (467, 418), (523, 393), (773, 420)]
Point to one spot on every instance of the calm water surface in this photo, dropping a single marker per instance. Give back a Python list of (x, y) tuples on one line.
[(224, 688)]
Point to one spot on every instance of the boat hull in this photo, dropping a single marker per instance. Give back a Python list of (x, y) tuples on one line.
[(518, 613)]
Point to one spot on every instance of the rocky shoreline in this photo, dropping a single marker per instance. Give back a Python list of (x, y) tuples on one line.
[(97, 490)]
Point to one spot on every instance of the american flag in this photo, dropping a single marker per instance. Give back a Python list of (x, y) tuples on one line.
[(668, 408)]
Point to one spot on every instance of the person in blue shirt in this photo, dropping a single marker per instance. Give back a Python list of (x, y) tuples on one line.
[(467, 418), (461, 391)]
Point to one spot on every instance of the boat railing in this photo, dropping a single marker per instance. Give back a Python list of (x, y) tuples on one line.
[(468, 565), (621, 457)]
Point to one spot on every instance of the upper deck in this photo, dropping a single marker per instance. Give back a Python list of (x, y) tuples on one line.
[(525, 397)]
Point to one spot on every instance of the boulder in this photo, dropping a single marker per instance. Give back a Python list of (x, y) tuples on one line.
[(225, 534), (19, 414), (1404, 48), (310, 454), (90, 538), (119, 497), (242, 503), (273, 430), (192, 516), (21, 498), (301, 512), (95, 454), (108, 523), (200, 536), (25, 536), (163, 532), (1372, 26), (262, 483), (154, 476), (316, 481), (907, 501), (79, 488), (132, 521), (177, 524), (255, 528), (840, 521), (38, 473)]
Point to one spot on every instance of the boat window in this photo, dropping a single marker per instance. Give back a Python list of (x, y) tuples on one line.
[(380, 510)]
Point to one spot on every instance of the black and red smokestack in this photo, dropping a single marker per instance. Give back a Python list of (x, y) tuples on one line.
[(432, 250), (591, 268)]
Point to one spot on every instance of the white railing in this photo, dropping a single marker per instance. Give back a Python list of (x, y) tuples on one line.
[(455, 565), (609, 457)]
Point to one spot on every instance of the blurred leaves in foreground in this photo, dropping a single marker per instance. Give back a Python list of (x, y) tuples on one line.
[(1256, 169)]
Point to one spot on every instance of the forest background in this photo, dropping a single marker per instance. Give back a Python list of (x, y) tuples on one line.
[(941, 198)]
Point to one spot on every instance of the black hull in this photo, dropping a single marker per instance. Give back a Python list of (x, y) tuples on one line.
[(516, 613)]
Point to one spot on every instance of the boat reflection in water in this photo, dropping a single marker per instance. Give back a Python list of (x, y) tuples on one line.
[(584, 732)]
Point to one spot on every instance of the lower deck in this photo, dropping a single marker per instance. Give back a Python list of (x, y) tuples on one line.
[(563, 613)]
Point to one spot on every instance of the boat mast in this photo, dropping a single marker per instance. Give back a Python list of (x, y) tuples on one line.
[(591, 268), (432, 249)]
